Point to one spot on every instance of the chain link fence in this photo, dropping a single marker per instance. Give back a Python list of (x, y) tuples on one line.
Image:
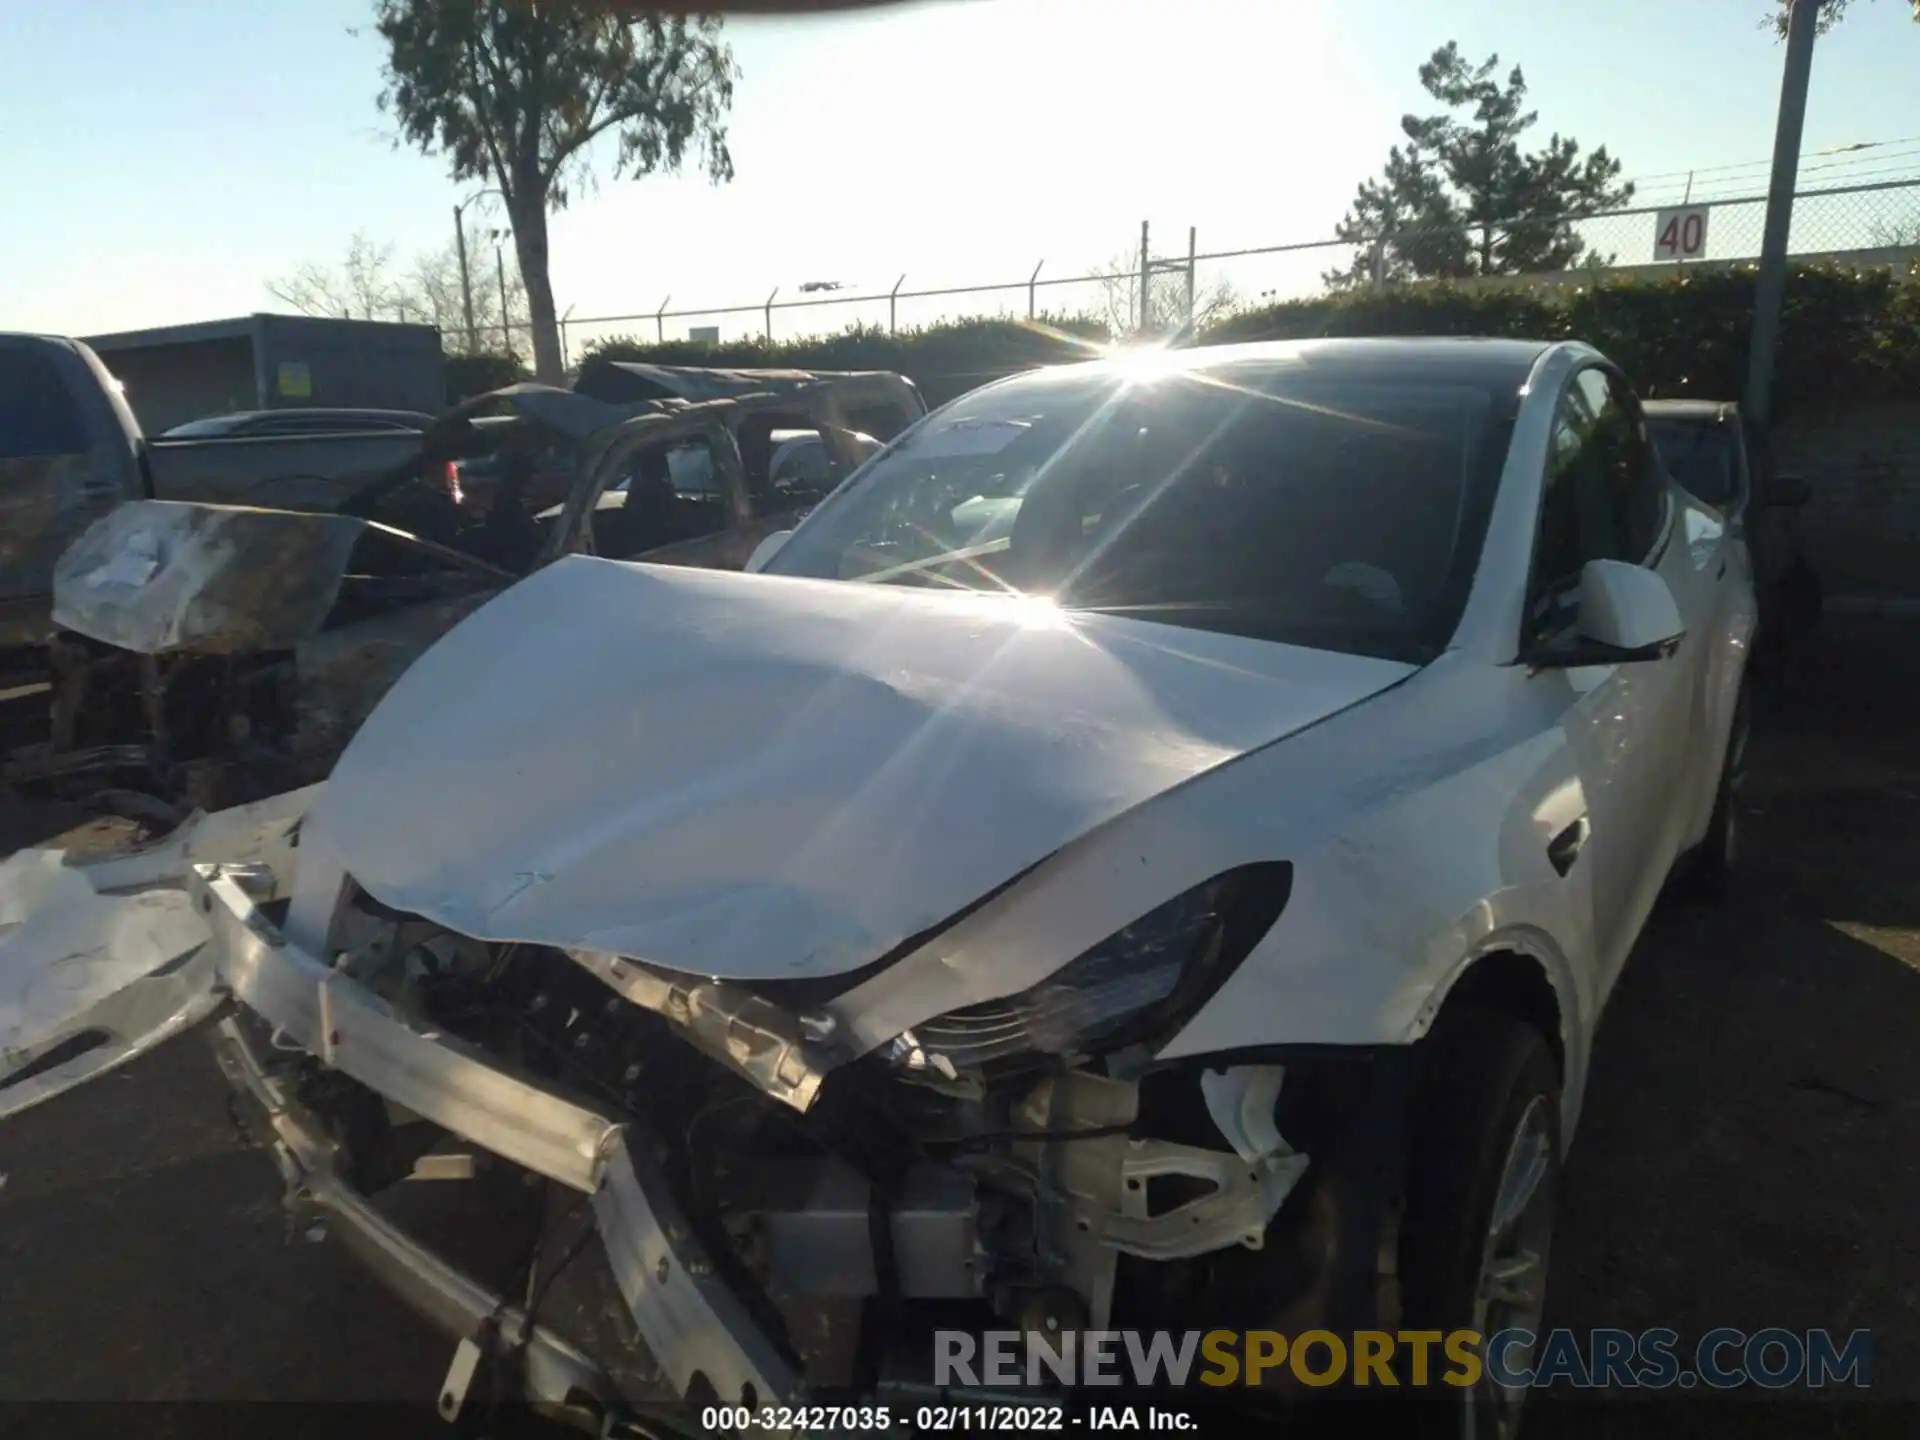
[(1840, 221), (785, 316), (1875, 222)]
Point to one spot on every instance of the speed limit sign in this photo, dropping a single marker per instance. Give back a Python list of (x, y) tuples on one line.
[(1680, 234)]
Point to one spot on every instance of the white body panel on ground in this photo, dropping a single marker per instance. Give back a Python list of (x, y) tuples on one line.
[(111, 945)]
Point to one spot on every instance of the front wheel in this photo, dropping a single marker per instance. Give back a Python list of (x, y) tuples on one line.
[(1483, 1178)]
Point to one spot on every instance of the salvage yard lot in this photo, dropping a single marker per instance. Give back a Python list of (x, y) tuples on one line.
[(1750, 1154)]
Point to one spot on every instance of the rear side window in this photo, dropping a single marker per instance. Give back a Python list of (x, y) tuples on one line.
[(37, 413), (1704, 457)]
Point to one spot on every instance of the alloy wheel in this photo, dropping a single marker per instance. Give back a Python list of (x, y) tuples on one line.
[(1512, 1287)]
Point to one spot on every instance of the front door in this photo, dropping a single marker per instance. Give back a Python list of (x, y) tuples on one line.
[(1605, 499)]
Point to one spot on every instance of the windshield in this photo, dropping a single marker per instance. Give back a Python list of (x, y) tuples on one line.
[(1345, 514), (1704, 456)]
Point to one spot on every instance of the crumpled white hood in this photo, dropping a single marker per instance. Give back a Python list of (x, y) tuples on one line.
[(764, 778)]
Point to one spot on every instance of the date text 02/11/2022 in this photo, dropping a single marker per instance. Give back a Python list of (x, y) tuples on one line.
[(942, 1419)]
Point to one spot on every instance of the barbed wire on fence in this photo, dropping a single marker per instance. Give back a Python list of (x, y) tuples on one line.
[(1865, 215)]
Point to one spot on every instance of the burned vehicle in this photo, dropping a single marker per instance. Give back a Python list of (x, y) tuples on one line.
[(1149, 852), (212, 654)]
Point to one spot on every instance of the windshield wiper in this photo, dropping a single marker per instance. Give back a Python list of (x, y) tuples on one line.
[(1252, 620), (946, 557)]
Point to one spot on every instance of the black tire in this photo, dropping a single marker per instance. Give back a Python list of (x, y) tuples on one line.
[(1485, 1075), (1707, 873)]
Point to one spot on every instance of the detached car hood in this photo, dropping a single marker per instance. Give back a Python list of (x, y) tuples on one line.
[(768, 778), (163, 576), (156, 576)]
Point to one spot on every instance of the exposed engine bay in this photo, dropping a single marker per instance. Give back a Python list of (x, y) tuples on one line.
[(964, 1178)]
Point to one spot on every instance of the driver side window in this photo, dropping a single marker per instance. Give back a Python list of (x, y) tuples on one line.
[(1601, 499), (674, 493)]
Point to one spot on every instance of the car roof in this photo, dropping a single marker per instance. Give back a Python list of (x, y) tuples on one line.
[(325, 412), (322, 412), (626, 382), (1495, 362), (1717, 411), (32, 337)]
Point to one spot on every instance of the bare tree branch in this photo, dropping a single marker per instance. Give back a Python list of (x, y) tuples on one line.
[(369, 284), (1166, 298)]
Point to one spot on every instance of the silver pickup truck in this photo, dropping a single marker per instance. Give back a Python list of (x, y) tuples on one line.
[(71, 450)]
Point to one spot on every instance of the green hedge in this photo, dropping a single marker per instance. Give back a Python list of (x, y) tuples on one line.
[(1846, 334)]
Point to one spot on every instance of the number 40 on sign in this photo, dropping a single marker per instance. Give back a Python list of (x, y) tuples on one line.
[(1680, 234)]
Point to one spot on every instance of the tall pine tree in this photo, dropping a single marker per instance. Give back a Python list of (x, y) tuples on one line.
[(1462, 197)]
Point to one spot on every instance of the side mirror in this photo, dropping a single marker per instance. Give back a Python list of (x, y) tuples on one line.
[(1627, 614), (766, 550), (1788, 490)]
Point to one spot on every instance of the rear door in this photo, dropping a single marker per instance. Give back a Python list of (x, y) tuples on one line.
[(64, 463)]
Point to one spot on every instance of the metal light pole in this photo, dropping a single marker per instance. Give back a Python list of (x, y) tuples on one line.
[(500, 266), (1146, 282), (1770, 287), (1193, 244), (466, 280), (460, 240)]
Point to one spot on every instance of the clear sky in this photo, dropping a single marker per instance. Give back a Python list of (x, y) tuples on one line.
[(161, 159)]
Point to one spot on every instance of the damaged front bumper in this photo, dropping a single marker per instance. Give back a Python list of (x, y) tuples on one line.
[(696, 1330), (687, 1331), (554, 1372), (698, 1335)]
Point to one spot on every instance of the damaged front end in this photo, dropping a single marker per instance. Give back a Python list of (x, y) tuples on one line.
[(783, 1213)]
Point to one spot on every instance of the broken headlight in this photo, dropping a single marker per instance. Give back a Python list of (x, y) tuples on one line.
[(1143, 979)]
